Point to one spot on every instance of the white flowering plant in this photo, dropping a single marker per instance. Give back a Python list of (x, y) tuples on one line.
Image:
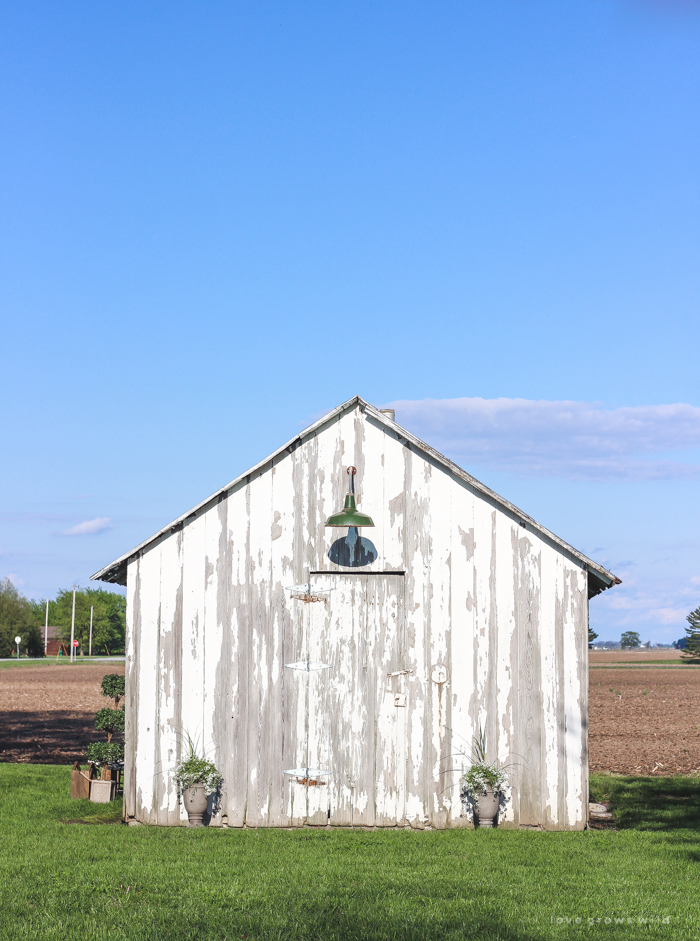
[(483, 774), (480, 777), (195, 769)]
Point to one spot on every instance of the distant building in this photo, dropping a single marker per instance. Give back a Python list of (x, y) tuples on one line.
[(55, 644)]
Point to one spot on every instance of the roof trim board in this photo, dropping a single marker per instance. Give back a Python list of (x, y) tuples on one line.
[(600, 577)]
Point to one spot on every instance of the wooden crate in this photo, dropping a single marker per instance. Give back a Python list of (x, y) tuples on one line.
[(79, 783)]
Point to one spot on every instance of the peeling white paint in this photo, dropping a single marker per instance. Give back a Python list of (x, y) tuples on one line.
[(458, 581)]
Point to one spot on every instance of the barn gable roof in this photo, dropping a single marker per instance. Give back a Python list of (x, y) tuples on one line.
[(599, 577)]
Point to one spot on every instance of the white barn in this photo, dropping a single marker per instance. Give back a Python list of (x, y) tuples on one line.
[(455, 611)]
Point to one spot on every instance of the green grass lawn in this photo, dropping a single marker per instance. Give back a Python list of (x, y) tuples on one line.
[(57, 661), (69, 870)]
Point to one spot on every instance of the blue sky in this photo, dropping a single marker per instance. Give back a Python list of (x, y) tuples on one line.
[(221, 220)]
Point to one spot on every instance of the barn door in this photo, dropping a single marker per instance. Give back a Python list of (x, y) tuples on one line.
[(357, 707)]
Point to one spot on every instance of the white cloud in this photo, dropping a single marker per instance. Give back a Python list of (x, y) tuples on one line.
[(89, 527), (581, 440)]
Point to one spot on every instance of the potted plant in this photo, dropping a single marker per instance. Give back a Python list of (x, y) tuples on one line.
[(484, 783), (196, 779)]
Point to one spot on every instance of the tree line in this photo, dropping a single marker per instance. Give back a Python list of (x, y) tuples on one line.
[(690, 644), (19, 616)]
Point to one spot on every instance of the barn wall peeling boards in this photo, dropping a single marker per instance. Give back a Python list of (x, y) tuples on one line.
[(464, 616)]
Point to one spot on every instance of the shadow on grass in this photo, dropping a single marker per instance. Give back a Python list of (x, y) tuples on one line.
[(646, 803), (52, 737), (95, 814), (363, 919)]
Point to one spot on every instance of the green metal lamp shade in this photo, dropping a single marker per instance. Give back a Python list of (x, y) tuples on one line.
[(349, 515)]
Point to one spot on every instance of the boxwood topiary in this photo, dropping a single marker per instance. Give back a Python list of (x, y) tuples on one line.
[(113, 686), (105, 753), (110, 721)]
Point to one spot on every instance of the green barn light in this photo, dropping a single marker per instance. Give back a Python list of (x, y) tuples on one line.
[(350, 515)]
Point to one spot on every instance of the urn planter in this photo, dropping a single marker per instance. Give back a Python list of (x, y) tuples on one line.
[(195, 800), (483, 783), (196, 780), (486, 807)]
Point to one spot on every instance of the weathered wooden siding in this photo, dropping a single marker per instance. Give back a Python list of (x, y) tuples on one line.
[(487, 616)]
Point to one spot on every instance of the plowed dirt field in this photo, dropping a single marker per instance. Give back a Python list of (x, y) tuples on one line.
[(47, 712), (644, 716), (644, 713)]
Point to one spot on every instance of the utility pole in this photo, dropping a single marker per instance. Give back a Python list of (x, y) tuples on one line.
[(90, 647), (72, 627), (46, 629)]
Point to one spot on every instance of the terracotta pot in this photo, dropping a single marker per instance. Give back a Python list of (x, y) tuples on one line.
[(195, 801), (486, 807)]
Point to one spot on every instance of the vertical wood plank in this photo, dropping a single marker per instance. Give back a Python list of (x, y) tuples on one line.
[(336, 647), (131, 674), (147, 770), (239, 617), (549, 685), (260, 665), (437, 522), (393, 505), (575, 693), (527, 729), (461, 662), (299, 646), (319, 748), (370, 441), (214, 705), (222, 670), (560, 597), (283, 691), (193, 592), (485, 614), (169, 679), (582, 662), (419, 784)]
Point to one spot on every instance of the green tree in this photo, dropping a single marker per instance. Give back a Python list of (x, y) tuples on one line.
[(692, 641), (630, 640), (109, 618), (591, 636), (17, 619)]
